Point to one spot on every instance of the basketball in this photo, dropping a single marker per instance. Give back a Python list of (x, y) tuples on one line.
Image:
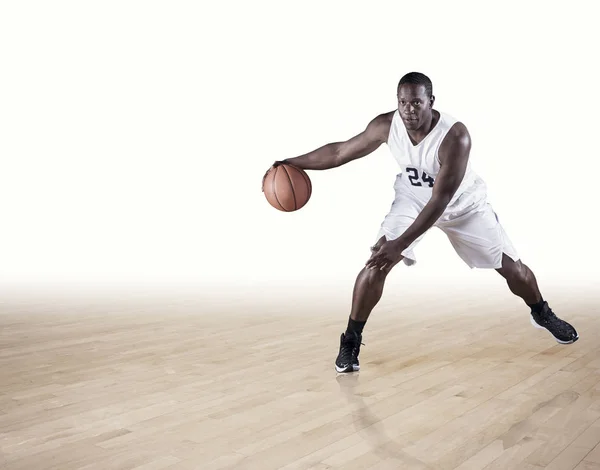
[(287, 188)]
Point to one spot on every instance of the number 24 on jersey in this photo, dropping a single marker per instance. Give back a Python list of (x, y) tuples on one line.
[(413, 176)]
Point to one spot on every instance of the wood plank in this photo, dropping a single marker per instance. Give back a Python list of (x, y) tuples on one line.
[(152, 385)]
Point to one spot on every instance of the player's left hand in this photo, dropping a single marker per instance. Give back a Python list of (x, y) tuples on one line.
[(388, 254)]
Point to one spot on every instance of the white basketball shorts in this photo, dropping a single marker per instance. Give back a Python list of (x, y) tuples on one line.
[(476, 235)]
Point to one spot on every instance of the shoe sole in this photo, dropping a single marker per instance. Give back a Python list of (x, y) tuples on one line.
[(540, 327), (342, 370)]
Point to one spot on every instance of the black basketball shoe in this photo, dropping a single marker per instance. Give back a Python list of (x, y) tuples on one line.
[(560, 329), (347, 360)]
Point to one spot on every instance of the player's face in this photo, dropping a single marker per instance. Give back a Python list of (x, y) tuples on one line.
[(414, 105)]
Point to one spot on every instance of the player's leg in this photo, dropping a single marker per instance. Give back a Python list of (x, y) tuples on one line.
[(480, 240), (368, 289), (522, 282), (369, 284)]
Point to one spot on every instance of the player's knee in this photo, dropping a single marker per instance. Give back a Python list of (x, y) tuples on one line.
[(512, 271), (373, 275), (518, 272)]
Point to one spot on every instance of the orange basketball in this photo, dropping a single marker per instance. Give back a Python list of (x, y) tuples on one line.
[(287, 188)]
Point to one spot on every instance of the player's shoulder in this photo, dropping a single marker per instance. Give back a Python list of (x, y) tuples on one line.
[(458, 132), (380, 125), (384, 119), (457, 140)]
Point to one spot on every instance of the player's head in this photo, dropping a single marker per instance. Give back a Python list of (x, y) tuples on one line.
[(415, 99)]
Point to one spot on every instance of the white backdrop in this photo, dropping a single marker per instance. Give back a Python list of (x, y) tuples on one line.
[(135, 134)]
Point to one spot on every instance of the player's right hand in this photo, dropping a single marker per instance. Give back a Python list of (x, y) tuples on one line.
[(274, 165)]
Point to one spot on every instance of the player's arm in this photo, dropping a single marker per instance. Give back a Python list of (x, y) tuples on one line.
[(454, 156), (336, 154)]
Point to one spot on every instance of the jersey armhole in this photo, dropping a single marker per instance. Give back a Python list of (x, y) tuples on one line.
[(437, 150), (387, 140)]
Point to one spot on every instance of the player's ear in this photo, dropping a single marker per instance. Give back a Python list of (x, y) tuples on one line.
[(431, 101)]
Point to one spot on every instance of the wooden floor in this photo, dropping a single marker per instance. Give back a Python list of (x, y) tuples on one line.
[(447, 383)]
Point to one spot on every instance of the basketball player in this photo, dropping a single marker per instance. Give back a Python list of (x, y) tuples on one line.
[(436, 188)]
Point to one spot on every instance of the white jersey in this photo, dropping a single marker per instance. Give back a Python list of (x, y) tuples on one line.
[(420, 166)]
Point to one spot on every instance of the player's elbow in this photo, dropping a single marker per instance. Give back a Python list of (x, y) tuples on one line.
[(342, 154), (337, 154)]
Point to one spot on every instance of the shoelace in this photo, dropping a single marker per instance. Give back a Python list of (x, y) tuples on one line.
[(549, 317), (350, 347), (347, 350)]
